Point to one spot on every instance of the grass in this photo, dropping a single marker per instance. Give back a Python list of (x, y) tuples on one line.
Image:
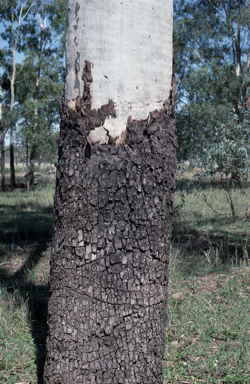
[(25, 227), (17, 348), (20, 169), (208, 328), (25, 216), (197, 224)]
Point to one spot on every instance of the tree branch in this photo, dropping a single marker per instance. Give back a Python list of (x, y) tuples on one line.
[(217, 9), (55, 41), (248, 60), (20, 20), (199, 57), (19, 81), (32, 4), (47, 100), (217, 213), (5, 70)]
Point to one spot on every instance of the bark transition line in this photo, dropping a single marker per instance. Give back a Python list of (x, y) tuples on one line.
[(110, 251)]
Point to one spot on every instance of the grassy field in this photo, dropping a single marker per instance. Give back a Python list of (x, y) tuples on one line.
[(208, 328)]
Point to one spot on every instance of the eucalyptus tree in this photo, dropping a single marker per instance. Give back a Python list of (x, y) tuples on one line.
[(12, 15), (5, 117), (114, 195), (44, 71)]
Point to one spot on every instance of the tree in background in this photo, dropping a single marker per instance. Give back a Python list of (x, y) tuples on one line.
[(39, 94), (5, 124), (114, 196), (212, 61), (227, 153), (41, 32), (12, 15)]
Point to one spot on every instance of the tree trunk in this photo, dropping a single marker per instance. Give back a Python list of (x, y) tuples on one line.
[(2, 156), (12, 101), (31, 169), (27, 165), (2, 143), (12, 163), (114, 196)]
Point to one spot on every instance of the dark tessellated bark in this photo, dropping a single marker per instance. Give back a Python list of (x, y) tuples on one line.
[(110, 251)]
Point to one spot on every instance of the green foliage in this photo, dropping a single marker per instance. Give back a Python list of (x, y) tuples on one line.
[(228, 150), (213, 39), (227, 153)]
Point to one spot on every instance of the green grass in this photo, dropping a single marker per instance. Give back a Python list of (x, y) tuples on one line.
[(208, 329), (17, 347), (26, 216), (25, 222), (199, 226), (21, 170), (196, 214)]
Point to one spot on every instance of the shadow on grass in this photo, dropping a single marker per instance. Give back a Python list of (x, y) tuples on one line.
[(22, 227), (232, 245), (32, 232)]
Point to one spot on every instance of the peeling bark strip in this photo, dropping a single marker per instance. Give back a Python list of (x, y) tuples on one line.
[(112, 228), (95, 118)]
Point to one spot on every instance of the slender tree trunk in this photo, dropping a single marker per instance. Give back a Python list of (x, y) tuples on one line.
[(32, 152), (27, 164), (12, 100), (114, 196), (31, 169), (2, 143), (2, 156), (12, 164)]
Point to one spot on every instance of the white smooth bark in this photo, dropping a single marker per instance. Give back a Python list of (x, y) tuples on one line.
[(129, 44)]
